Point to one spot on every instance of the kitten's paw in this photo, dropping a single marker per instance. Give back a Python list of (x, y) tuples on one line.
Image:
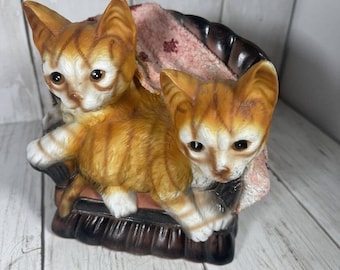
[(216, 216), (213, 223), (120, 204), (200, 235), (196, 227), (36, 156)]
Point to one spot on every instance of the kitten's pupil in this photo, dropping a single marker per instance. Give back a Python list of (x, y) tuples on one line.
[(196, 146), (97, 74), (240, 145), (57, 77)]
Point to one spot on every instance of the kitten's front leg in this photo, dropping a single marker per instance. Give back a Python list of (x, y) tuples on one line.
[(57, 145), (216, 215), (186, 212), (120, 202)]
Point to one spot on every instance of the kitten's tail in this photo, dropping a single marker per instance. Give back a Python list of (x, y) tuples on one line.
[(70, 195)]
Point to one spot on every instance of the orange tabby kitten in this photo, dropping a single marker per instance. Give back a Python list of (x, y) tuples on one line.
[(118, 133), (90, 66), (221, 125)]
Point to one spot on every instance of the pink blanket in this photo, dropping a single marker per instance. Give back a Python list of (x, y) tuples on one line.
[(163, 43)]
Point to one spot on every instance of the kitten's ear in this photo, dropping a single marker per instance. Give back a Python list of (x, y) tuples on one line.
[(179, 80), (179, 90), (260, 83), (45, 22), (117, 21)]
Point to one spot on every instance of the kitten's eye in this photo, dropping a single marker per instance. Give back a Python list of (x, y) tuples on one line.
[(57, 77), (196, 146), (240, 145), (97, 74)]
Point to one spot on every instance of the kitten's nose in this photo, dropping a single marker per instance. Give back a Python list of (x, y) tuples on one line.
[(74, 96), (222, 175)]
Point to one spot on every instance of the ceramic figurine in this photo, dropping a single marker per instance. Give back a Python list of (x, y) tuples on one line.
[(124, 139)]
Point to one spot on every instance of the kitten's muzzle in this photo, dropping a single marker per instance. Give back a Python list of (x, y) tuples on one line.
[(72, 100), (222, 175), (74, 96)]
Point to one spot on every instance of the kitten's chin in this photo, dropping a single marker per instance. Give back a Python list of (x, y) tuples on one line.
[(226, 179), (95, 104), (89, 107), (71, 109)]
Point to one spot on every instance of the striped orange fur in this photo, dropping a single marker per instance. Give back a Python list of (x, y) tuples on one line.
[(119, 135)]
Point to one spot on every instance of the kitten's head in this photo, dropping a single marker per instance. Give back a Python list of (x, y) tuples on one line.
[(221, 125), (89, 63)]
